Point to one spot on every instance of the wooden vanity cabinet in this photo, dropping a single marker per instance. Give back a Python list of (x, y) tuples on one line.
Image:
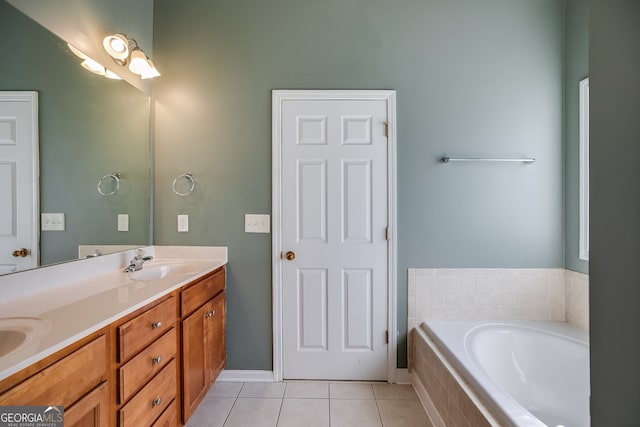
[(203, 311), (149, 368), (146, 367), (75, 377)]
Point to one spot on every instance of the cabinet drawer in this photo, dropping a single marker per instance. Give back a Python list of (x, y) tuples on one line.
[(169, 417), (202, 291), (64, 382), (140, 331), (150, 402), (136, 372)]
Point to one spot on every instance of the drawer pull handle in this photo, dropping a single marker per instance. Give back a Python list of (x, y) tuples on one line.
[(156, 360), (156, 325), (156, 402), (210, 314)]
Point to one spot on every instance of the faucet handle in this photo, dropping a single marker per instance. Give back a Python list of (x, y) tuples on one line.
[(139, 253)]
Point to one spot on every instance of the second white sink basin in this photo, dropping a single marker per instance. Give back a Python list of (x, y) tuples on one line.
[(160, 271), (16, 333)]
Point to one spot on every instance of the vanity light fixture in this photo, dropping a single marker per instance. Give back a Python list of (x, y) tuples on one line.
[(126, 52), (93, 65)]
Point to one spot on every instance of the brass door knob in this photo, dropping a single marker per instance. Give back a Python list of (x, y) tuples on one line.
[(290, 256), (21, 253)]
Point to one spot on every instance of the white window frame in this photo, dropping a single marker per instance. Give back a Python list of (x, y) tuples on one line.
[(584, 169)]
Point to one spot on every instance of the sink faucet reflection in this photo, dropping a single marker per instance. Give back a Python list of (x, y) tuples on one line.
[(136, 263)]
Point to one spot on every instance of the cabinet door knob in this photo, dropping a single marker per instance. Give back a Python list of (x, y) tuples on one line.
[(156, 325), (156, 402), (156, 360), (210, 314), (290, 256)]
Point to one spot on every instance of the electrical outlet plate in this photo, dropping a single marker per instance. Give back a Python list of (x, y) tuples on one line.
[(52, 222), (257, 223)]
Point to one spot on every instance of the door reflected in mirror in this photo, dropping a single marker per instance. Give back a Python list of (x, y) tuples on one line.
[(89, 127)]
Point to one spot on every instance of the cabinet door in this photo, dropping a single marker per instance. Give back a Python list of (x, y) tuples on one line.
[(195, 380), (90, 411), (216, 337)]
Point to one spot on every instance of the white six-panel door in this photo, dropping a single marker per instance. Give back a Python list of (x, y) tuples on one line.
[(335, 253), (18, 180)]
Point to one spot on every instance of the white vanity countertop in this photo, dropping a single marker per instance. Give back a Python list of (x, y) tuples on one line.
[(77, 299)]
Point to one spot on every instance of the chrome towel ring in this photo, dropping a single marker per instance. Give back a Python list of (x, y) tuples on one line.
[(192, 183), (114, 178)]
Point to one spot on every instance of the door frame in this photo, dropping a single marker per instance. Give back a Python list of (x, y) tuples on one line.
[(278, 97), (31, 97)]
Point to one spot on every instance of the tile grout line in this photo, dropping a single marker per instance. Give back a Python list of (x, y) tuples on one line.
[(375, 398), (329, 403), (284, 392), (235, 400)]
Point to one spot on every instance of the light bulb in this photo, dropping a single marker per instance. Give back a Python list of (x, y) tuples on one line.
[(77, 52), (116, 45), (151, 71), (111, 75), (138, 64), (93, 66)]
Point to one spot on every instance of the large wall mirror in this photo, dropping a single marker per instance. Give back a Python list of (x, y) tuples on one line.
[(89, 126)]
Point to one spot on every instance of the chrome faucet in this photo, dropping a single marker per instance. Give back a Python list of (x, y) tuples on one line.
[(136, 263), (95, 253)]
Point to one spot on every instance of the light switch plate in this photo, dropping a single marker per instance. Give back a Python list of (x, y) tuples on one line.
[(183, 223), (123, 222), (257, 223), (52, 222)]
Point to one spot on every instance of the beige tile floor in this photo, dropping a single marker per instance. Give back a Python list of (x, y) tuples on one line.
[(310, 404)]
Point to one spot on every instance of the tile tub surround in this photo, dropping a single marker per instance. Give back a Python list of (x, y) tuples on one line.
[(576, 295), (447, 398), (483, 294), (497, 294)]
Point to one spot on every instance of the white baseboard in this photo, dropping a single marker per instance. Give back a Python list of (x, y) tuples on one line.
[(238, 376), (241, 376), (403, 376)]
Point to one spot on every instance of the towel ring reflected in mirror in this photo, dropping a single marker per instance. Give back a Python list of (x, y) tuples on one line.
[(192, 183), (114, 179)]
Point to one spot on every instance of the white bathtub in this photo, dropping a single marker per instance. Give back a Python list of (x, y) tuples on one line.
[(529, 374)]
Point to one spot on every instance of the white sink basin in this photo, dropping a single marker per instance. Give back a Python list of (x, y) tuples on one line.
[(160, 271), (18, 333)]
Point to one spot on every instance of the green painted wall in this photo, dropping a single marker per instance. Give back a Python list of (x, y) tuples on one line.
[(614, 68), (88, 126), (472, 79), (576, 69)]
